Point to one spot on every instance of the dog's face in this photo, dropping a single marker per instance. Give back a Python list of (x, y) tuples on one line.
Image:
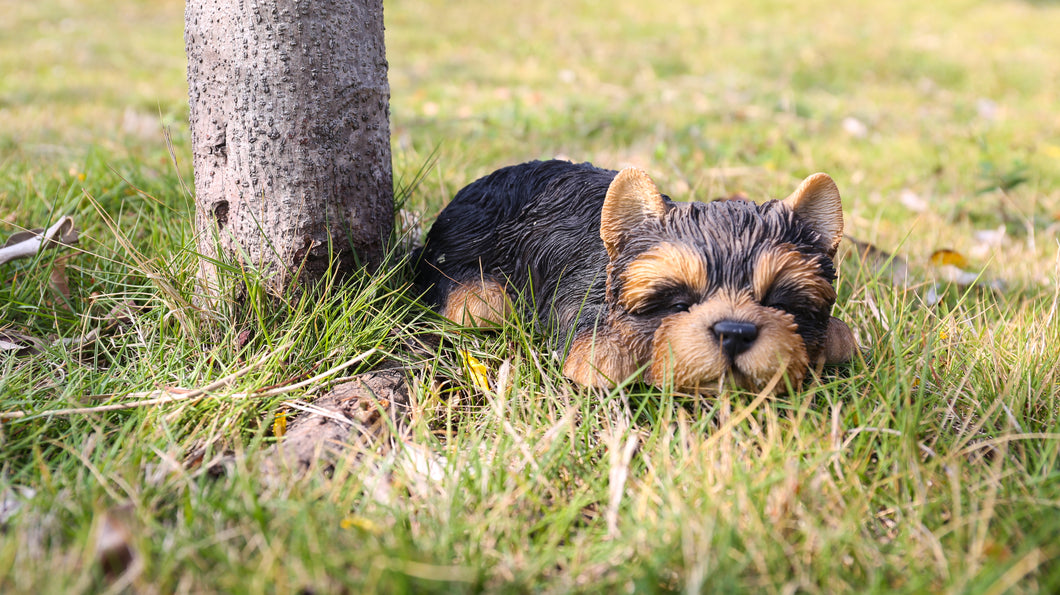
[(723, 292)]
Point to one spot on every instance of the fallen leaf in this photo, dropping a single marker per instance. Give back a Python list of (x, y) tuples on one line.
[(20, 343), (243, 338), (21, 236), (477, 372), (77, 343), (279, 425), (952, 267), (115, 552), (955, 275), (121, 313), (57, 276), (946, 257)]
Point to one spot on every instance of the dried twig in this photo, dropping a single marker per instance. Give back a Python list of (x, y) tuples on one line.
[(168, 397), (29, 243), (172, 395)]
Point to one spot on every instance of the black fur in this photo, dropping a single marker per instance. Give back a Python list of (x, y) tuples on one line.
[(535, 224)]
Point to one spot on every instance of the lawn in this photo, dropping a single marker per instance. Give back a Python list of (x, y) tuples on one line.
[(930, 464)]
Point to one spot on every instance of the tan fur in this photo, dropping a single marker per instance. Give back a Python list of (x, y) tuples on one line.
[(790, 268), (667, 262), (483, 303), (688, 355), (600, 360), (817, 202), (631, 198)]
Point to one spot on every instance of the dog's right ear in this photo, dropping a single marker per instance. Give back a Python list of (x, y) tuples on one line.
[(631, 199), (816, 201)]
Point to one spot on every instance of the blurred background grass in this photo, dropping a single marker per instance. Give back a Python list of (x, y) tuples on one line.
[(951, 104)]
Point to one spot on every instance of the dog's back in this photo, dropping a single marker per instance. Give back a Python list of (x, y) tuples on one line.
[(527, 226)]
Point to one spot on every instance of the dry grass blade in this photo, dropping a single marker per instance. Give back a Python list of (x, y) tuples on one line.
[(172, 395), (280, 390), (620, 456), (732, 422), (166, 396)]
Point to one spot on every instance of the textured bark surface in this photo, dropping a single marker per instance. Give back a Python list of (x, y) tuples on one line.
[(290, 135)]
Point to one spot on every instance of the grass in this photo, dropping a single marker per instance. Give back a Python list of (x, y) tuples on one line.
[(933, 464)]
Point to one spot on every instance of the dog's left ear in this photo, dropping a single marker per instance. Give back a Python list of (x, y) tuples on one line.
[(817, 203), (839, 342), (631, 198)]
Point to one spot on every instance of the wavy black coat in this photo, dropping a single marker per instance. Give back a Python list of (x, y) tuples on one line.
[(534, 225)]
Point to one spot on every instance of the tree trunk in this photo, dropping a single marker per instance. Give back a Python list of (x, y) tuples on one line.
[(290, 136)]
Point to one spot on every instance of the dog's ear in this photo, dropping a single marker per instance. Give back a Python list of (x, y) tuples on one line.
[(816, 201), (839, 342), (631, 198)]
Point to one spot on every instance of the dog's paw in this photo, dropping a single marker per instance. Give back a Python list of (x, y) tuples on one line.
[(596, 359)]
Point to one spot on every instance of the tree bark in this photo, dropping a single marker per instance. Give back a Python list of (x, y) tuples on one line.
[(290, 136)]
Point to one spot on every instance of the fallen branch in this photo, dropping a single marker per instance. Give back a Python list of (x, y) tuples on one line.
[(28, 243)]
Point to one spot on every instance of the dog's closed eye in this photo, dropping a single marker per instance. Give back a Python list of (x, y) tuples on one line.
[(789, 281), (662, 299)]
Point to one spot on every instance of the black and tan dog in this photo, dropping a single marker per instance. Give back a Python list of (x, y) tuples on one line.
[(697, 294)]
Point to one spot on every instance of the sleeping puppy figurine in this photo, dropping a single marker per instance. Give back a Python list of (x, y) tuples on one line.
[(696, 296)]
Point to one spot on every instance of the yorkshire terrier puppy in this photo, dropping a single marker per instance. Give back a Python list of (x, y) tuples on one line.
[(694, 295)]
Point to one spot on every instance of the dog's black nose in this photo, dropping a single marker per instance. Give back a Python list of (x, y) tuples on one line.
[(736, 337)]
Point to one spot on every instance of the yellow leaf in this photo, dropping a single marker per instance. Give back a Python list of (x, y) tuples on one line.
[(476, 371), (362, 523), (279, 425), (949, 257)]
